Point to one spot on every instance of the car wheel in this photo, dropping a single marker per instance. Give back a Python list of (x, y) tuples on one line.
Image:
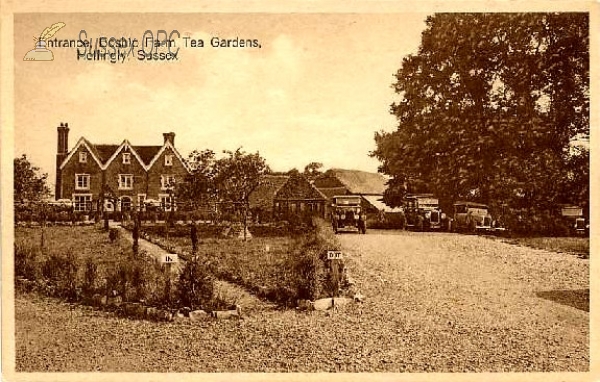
[(472, 226), (419, 223)]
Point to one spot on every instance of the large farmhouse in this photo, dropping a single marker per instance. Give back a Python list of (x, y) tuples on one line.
[(126, 173)]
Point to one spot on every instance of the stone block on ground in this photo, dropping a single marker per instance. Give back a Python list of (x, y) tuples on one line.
[(341, 301), (323, 304), (305, 305), (134, 309), (114, 302), (152, 313), (198, 315), (165, 315), (179, 317), (224, 314)]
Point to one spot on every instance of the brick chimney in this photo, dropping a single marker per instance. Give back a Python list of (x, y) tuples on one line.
[(63, 138), (61, 154), (169, 137)]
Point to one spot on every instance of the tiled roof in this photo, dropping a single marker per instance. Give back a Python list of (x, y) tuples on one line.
[(359, 182), (104, 152), (147, 153), (333, 191), (264, 194), (299, 188)]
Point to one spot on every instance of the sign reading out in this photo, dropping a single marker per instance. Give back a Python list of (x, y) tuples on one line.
[(334, 255), (169, 258)]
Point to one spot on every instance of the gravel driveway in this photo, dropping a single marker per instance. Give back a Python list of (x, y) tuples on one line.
[(434, 302), (475, 300)]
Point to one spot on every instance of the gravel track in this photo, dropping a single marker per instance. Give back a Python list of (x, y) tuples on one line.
[(434, 302)]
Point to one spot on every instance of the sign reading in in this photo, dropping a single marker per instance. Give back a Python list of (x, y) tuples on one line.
[(334, 255), (169, 258)]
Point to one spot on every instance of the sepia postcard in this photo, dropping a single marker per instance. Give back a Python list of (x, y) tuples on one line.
[(299, 191)]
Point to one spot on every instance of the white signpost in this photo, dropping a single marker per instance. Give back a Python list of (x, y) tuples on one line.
[(334, 255), (169, 258)]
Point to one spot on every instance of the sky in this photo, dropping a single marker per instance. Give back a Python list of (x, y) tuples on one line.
[(316, 90)]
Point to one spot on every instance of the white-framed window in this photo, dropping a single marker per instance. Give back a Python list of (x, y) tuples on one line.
[(82, 202), (141, 198), (167, 181), (82, 181), (82, 157), (168, 160), (126, 158), (165, 201), (125, 181)]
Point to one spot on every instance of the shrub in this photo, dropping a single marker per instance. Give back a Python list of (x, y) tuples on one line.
[(139, 282), (52, 267), (63, 216), (61, 272), (117, 280), (314, 275), (90, 278), (26, 261), (113, 234), (195, 286), (68, 285), (309, 274)]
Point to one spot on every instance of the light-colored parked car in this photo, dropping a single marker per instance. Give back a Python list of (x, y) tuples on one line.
[(472, 217)]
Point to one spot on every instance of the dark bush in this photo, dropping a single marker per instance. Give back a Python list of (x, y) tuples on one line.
[(118, 279), (309, 272), (63, 216), (314, 275), (113, 234), (90, 278), (195, 286), (52, 267), (69, 289), (61, 272), (26, 261), (140, 281)]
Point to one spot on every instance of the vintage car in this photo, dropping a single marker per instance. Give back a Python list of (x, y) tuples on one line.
[(346, 212), (472, 217), (423, 212), (573, 215)]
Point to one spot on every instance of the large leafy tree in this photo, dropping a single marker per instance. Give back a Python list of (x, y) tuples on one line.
[(237, 175), (488, 108), (29, 184), (198, 187)]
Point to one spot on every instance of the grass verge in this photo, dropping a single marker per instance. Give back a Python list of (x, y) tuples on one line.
[(579, 246)]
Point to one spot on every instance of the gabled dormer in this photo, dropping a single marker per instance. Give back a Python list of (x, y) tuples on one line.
[(168, 158), (82, 156), (126, 157)]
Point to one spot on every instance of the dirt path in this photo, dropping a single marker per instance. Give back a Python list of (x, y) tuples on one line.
[(227, 291)]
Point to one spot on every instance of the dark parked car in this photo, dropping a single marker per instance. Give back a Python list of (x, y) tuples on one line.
[(346, 212)]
